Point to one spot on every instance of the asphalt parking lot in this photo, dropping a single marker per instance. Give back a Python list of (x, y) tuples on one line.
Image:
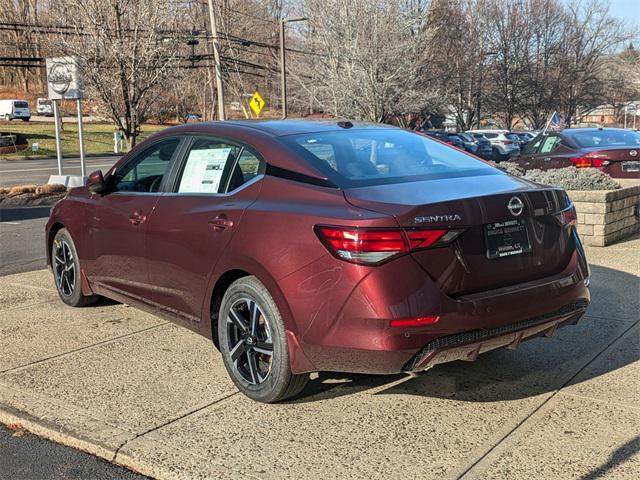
[(133, 389)]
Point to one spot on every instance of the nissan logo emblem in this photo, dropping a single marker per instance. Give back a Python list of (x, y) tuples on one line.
[(515, 206), (633, 153)]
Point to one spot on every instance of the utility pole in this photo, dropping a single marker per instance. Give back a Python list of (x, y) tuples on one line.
[(283, 71), (283, 67), (216, 57)]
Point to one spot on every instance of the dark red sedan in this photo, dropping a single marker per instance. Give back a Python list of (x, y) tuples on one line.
[(615, 151), (302, 246)]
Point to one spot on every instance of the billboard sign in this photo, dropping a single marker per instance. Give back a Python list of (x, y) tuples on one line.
[(64, 78)]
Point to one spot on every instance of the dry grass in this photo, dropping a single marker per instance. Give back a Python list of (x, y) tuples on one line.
[(21, 189), (49, 189)]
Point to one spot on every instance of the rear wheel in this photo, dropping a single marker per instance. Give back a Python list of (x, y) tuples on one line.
[(253, 343), (66, 271)]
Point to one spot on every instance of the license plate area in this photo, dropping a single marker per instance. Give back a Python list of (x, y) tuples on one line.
[(505, 239), (631, 166)]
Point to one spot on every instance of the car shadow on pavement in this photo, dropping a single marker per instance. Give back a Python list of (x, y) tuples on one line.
[(538, 366), (618, 457)]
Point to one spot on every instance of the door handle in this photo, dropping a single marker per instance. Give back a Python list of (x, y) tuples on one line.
[(546, 159), (137, 218), (220, 223)]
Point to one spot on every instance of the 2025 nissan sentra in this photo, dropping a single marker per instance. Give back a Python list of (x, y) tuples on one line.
[(301, 246)]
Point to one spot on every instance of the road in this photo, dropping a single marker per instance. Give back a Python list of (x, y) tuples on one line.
[(20, 172), (22, 239), (25, 456)]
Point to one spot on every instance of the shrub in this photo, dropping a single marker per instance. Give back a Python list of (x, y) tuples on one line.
[(4, 190), (20, 189), (49, 189), (572, 178), (511, 168)]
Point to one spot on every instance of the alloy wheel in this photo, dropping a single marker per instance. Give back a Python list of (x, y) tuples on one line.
[(249, 341), (64, 268)]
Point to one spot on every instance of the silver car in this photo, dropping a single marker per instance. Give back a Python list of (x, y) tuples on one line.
[(504, 143)]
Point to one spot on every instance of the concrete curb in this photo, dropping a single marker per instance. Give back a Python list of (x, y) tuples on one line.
[(129, 458)]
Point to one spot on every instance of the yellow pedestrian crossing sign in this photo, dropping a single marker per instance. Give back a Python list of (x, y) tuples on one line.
[(257, 103)]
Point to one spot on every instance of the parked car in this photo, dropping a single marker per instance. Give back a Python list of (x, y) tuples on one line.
[(44, 107), (15, 109), (615, 151), (525, 138), (439, 135), (477, 144), (302, 246), (504, 143)]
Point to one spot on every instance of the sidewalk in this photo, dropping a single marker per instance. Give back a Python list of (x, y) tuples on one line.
[(133, 389)]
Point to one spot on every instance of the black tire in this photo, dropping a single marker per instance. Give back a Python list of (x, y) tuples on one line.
[(66, 271), (266, 378)]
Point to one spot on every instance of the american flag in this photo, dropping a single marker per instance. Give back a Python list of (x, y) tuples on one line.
[(556, 124)]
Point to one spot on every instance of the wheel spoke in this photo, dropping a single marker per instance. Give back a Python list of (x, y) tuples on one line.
[(254, 315), (264, 348), (240, 322), (253, 367), (59, 260), (237, 351)]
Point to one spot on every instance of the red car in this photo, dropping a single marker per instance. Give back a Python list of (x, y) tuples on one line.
[(615, 151), (302, 246)]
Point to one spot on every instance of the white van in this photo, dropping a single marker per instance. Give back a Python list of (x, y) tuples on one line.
[(10, 109), (44, 107)]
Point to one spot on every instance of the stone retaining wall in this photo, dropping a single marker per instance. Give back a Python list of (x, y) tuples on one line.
[(606, 216)]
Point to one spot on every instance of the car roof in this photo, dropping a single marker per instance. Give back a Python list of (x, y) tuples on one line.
[(299, 126), (594, 129), (497, 130)]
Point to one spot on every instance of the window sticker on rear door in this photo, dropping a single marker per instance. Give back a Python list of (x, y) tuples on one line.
[(203, 171)]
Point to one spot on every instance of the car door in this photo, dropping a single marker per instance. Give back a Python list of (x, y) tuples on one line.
[(213, 184), (552, 154), (529, 156), (118, 220)]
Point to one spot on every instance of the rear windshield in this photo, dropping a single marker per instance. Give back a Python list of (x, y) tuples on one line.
[(362, 157), (20, 104), (605, 138), (512, 136)]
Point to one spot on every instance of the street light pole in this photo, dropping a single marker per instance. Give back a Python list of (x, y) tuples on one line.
[(283, 67), (283, 71), (216, 57)]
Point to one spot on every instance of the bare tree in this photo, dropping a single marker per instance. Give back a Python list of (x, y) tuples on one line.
[(129, 47), (366, 63), (592, 36)]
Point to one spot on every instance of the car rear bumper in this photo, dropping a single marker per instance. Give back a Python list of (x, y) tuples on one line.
[(360, 337), (468, 346)]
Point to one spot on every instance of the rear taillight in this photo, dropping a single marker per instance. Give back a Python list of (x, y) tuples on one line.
[(506, 142), (586, 162), (567, 216), (371, 246)]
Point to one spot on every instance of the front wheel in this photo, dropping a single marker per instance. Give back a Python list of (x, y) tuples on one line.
[(253, 343), (66, 271)]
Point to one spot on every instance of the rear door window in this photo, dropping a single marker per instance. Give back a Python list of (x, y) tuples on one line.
[(550, 144), (205, 165), (215, 166)]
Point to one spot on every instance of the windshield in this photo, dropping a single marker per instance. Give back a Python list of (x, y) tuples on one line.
[(377, 156), (21, 105), (605, 138)]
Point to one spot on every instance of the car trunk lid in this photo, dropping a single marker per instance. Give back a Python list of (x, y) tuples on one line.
[(476, 205)]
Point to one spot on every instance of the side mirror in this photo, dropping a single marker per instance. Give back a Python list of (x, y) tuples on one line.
[(96, 182)]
